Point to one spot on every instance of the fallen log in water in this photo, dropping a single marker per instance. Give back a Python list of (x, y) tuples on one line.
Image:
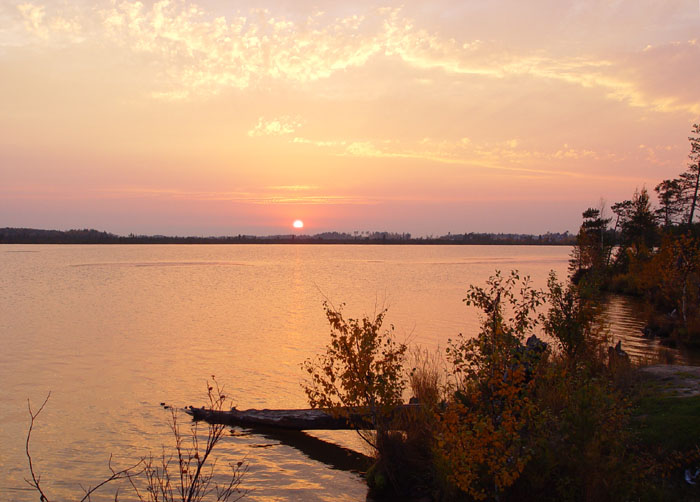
[(304, 419)]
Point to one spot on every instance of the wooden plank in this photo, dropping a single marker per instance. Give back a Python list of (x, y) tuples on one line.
[(299, 419)]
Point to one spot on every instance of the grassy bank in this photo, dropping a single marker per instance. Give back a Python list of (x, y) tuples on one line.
[(666, 425)]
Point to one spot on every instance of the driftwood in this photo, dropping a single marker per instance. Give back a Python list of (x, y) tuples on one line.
[(303, 419)]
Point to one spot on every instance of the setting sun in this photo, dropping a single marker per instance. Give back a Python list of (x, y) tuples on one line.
[(298, 224)]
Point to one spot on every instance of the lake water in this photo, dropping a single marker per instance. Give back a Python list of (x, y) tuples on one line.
[(112, 331)]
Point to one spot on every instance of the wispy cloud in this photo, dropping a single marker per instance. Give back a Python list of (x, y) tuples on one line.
[(203, 53), (274, 127), (269, 195), (263, 196), (292, 188), (55, 27), (506, 156)]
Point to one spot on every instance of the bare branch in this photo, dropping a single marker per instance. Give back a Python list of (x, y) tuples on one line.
[(116, 475), (192, 459), (194, 479), (35, 479)]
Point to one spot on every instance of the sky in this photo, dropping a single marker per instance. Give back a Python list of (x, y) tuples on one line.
[(236, 117)]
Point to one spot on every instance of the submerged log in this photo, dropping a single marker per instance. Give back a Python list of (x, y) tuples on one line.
[(301, 419)]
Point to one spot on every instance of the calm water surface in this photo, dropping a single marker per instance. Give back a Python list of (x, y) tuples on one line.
[(112, 331)]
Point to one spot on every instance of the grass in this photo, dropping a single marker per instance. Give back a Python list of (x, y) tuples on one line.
[(668, 423), (668, 427)]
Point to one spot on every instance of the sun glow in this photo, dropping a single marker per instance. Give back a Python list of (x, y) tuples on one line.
[(298, 224)]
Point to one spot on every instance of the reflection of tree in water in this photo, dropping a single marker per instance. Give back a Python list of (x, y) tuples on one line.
[(334, 456)]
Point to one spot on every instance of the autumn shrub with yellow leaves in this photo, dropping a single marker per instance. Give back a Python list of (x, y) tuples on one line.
[(361, 372), (671, 280), (525, 424), (511, 418), (485, 433)]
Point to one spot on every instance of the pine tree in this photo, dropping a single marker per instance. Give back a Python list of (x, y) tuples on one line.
[(691, 177)]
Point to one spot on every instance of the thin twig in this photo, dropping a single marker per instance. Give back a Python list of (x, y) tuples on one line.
[(35, 479), (124, 473)]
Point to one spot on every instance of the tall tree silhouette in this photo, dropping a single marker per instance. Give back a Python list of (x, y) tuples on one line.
[(691, 177)]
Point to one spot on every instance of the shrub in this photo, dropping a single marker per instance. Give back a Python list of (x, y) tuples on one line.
[(515, 421), (583, 447), (583, 450), (360, 372), (185, 476), (188, 475), (485, 434), (569, 322), (527, 425)]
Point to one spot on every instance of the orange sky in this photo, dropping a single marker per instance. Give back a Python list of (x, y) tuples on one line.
[(221, 117)]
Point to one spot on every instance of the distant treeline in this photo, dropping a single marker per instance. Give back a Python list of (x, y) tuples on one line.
[(91, 236)]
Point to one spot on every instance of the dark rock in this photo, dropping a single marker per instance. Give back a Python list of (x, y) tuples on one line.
[(618, 358), (529, 354), (536, 345), (620, 352)]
